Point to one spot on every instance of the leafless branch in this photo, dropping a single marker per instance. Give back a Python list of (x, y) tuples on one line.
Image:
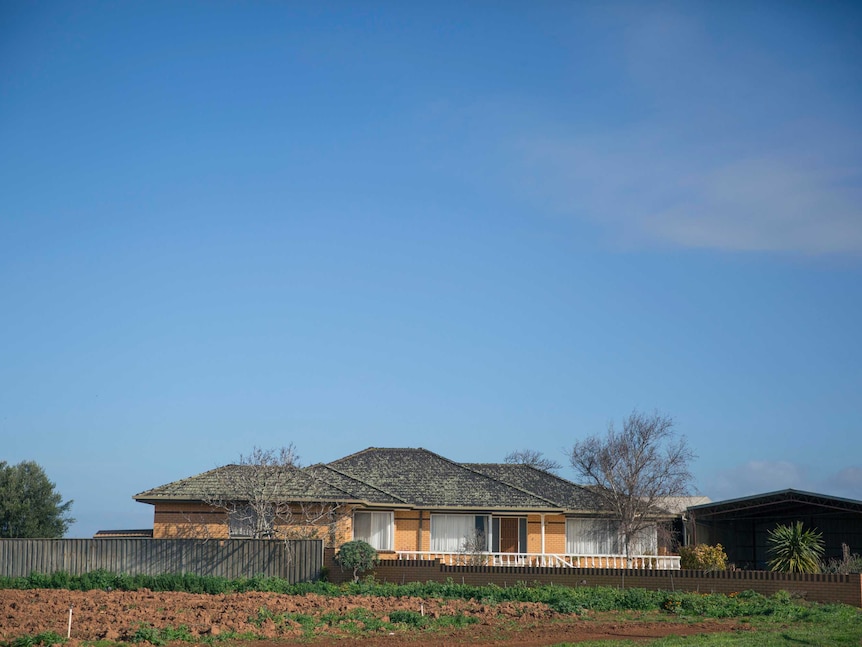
[(635, 469), (532, 458), (267, 495)]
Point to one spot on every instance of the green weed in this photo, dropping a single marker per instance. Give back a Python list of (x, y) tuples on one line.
[(154, 636), (459, 620), (45, 638), (228, 636), (264, 614), (409, 618)]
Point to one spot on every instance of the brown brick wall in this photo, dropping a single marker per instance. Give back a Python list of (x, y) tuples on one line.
[(344, 528), (846, 589), (407, 533), (187, 521), (412, 527), (555, 534), (534, 534), (200, 521)]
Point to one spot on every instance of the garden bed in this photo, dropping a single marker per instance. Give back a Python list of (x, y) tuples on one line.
[(262, 618)]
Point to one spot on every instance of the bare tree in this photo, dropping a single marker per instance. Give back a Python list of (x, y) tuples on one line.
[(635, 469), (267, 494), (532, 458), (474, 549)]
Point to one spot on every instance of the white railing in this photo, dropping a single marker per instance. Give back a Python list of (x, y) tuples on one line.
[(640, 562)]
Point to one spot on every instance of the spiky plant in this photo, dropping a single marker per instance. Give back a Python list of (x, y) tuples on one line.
[(795, 549)]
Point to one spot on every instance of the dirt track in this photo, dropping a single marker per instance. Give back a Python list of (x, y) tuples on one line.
[(117, 615)]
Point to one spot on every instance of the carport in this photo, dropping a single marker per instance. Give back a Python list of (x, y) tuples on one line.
[(741, 526)]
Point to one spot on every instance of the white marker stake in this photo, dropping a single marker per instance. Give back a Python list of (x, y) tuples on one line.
[(69, 630)]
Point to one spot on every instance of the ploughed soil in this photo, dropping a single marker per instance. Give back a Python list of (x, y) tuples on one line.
[(118, 615)]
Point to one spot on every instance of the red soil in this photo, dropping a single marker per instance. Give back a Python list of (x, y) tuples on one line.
[(117, 615)]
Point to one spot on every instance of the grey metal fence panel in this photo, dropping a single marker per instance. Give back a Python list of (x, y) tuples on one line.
[(296, 561)]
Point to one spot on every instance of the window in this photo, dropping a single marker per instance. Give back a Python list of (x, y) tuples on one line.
[(645, 542), (592, 537), (244, 522), (374, 527), (454, 533)]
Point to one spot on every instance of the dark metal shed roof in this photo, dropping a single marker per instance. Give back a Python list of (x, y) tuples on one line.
[(781, 501)]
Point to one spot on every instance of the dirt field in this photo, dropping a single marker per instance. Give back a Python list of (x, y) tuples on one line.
[(117, 615)]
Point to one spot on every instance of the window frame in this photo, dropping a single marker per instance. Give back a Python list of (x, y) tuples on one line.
[(611, 535), (390, 523), (242, 520), (480, 523)]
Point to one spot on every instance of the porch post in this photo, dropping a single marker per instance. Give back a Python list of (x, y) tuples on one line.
[(419, 533), (543, 533)]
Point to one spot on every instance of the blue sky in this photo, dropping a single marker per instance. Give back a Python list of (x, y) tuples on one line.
[(471, 227)]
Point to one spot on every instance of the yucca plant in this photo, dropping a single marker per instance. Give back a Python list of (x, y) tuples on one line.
[(795, 549)]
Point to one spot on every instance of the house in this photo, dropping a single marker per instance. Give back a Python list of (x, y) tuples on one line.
[(409, 503), (742, 525), (142, 533)]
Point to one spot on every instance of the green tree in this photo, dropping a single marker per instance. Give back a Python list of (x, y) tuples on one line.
[(795, 549), (357, 555), (30, 506)]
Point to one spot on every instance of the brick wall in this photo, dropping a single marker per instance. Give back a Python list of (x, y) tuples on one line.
[(188, 520), (201, 521), (411, 527), (846, 589), (555, 534)]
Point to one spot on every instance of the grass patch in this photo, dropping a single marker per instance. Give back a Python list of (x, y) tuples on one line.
[(408, 618), (815, 625), (355, 621), (45, 638), (228, 636), (459, 620), (154, 636)]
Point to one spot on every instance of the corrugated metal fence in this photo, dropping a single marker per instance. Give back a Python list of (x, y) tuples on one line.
[(296, 561)]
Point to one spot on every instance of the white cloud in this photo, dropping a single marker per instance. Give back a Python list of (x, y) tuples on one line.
[(762, 204), (645, 191), (718, 140)]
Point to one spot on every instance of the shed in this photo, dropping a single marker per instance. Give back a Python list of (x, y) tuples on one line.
[(741, 526)]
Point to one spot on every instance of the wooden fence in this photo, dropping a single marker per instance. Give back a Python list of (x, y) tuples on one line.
[(296, 561)]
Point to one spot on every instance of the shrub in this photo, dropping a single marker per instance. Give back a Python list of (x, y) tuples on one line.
[(847, 564), (98, 579), (794, 549), (358, 556), (703, 557)]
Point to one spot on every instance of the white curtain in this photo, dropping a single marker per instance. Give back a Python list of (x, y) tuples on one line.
[(449, 531), (645, 542), (592, 537), (374, 527)]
